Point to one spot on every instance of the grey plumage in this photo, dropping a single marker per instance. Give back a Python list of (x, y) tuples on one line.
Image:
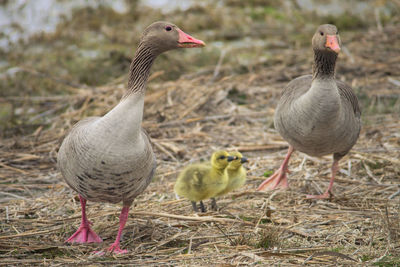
[(318, 118), (109, 158), (317, 114), (102, 167)]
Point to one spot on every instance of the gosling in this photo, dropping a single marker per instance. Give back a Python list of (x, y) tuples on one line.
[(236, 173), (201, 181)]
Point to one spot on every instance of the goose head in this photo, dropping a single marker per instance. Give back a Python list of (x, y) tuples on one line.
[(163, 36), (327, 39)]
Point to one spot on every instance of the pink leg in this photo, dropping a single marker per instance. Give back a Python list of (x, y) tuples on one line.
[(328, 193), (84, 234), (278, 179), (122, 220)]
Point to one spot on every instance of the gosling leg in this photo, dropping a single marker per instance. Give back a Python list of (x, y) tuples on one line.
[(214, 204), (202, 207), (195, 209)]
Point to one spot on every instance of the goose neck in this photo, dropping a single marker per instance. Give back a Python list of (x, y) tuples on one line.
[(140, 68), (324, 65)]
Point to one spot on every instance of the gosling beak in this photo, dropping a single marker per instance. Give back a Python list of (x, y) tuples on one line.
[(187, 41), (243, 160), (332, 43), (230, 158)]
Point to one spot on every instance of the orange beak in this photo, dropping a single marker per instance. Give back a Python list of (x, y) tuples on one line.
[(332, 43), (187, 41)]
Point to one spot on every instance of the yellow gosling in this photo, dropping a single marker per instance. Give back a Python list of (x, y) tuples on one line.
[(202, 181), (236, 173)]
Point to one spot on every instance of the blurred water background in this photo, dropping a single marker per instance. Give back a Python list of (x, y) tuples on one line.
[(47, 46)]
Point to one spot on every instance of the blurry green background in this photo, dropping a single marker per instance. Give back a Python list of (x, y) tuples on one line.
[(48, 47)]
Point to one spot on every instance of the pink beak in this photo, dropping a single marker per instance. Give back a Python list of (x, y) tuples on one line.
[(332, 43), (187, 41)]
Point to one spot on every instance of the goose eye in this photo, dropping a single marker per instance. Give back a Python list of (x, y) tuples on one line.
[(168, 28), (222, 157), (322, 34)]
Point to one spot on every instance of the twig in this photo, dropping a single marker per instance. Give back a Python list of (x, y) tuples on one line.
[(165, 151), (203, 119), (58, 80), (393, 160), (251, 256), (54, 98), (212, 219), (394, 194), (260, 147), (370, 173), (12, 168), (330, 253), (7, 215), (199, 103), (190, 245), (394, 81), (218, 66), (162, 243), (230, 240), (13, 195), (378, 19), (28, 234)]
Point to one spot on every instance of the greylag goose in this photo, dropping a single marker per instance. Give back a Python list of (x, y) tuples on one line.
[(201, 181), (317, 114), (109, 158)]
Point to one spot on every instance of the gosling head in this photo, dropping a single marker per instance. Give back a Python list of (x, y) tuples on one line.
[(163, 36), (327, 39), (220, 159), (238, 160)]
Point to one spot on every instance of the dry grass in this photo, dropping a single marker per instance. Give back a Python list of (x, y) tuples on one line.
[(189, 118)]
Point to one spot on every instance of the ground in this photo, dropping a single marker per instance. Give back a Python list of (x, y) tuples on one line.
[(227, 102)]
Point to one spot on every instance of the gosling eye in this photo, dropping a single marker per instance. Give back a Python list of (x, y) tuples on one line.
[(322, 34), (337, 32), (168, 28), (222, 157)]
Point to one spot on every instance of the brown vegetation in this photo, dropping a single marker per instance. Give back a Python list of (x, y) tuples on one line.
[(219, 107)]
